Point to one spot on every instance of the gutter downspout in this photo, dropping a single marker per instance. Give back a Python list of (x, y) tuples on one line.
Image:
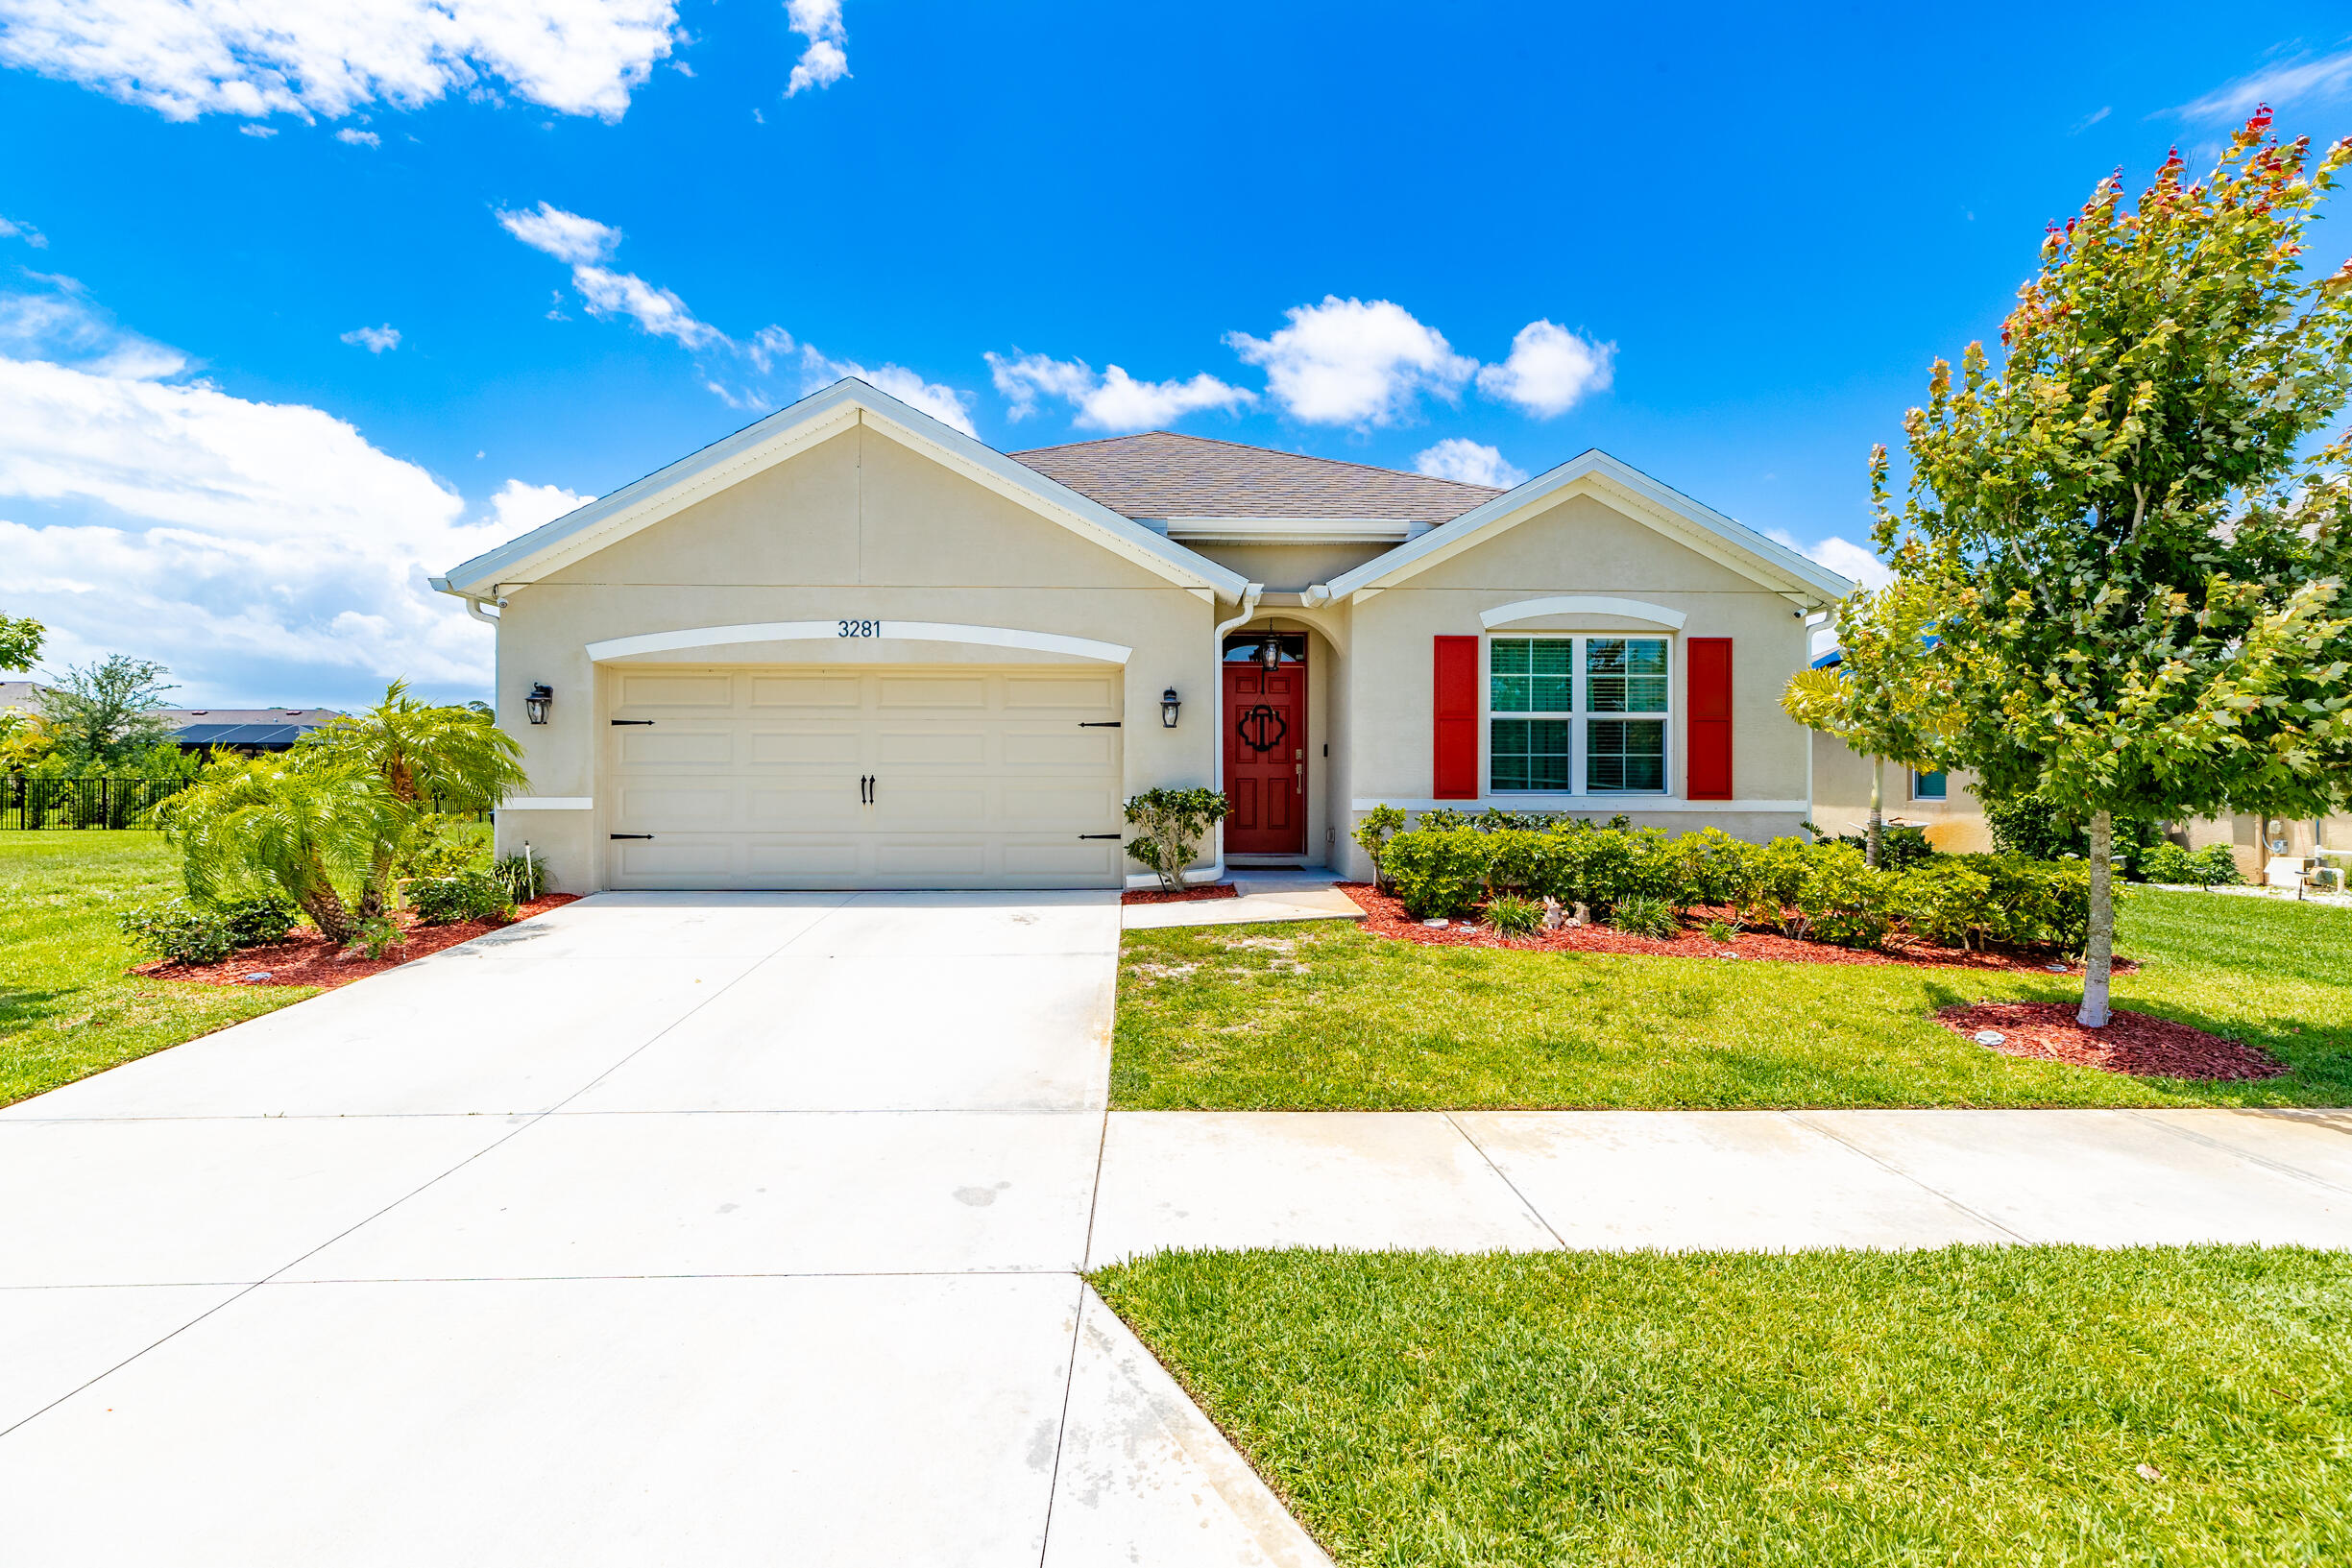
[(1217, 700)]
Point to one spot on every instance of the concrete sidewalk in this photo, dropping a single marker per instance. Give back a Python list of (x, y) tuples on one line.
[(1469, 1181), (1259, 896)]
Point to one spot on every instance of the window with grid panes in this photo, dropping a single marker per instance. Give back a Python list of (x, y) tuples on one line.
[(1536, 713), (1530, 703)]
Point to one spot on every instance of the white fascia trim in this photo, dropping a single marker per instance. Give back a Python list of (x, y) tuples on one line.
[(1630, 804), (1583, 604), (549, 802), (847, 402), (830, 631), (1394, 567)]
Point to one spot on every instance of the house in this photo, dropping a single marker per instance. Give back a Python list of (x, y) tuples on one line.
[(850, 646), (24, 696)]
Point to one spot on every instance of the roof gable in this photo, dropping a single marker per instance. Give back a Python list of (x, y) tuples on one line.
[(792, 430), (1724, 539), (1160, 474)]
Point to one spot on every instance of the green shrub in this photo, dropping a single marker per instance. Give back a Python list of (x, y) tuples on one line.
[(523, 874), (1944, 900), (470, 894), (2038, 831), (2212, 866), (1722, 930), (1372, 834), (1770, 879), (1712, 865), (1439, 873), (1846, 900), (1443, 819), (2038, 902), (1901, 845), (376, 937), (1642, 915), (178, 931), (1514, 916), (1173, 822), (188, 932)]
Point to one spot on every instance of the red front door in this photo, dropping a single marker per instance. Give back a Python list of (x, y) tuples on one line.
[(1266, 759)]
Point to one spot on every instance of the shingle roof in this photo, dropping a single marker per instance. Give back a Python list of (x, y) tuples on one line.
[(1162, 474)]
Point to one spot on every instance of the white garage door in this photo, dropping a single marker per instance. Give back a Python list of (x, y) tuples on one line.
[(891, 775)]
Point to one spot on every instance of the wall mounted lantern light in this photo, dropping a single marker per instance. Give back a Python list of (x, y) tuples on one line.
[(1168, 706), (536, 704)]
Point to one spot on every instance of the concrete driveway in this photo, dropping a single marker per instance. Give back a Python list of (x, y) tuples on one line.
[(662, 1228)]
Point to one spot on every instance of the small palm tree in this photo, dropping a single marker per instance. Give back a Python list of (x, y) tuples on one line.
[(428, 758), (244, 827)]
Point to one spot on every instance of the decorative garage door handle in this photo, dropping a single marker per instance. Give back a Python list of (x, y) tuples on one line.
[(1254, 728)]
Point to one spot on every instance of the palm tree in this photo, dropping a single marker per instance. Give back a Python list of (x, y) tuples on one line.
[(427, 758), (260, 825)]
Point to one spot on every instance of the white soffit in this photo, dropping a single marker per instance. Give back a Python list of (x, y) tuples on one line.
[(794, 429), (1289, 530), (1702, 529), (833, 631)]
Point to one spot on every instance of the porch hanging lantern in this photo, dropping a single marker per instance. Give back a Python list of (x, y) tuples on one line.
[(1168, 706), (536, 704), (1270, 653)]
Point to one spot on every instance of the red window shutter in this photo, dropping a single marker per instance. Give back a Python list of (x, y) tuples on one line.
[(1454, 757), (1709, 724)]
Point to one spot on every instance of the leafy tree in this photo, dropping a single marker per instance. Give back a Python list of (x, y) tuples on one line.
[(1879, 699), (103, 714), (2140, 587), (20, 641), (262, 827), (428, 758), (24, 740)]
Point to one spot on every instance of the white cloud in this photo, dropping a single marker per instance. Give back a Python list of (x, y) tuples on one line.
[(255, 57), (825, 60), (584, 242), (373, 339), (655, 310), (259, 132), (1549, 371), (24, 232), (359, 139), (2279, 83), (519, 508), (1840, 555), (1458, 458), (1113, 401), (942, 402), (267, 552), (563, 235), (1346, 362)]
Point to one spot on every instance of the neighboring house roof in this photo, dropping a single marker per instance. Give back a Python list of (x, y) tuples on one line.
[(1161, 475), (303, 718), (792, 430), (1726, 541), (239, 735)]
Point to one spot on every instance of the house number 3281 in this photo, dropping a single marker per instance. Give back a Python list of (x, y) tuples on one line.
[(861, 628)]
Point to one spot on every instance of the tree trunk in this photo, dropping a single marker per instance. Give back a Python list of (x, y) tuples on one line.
[(1873, 843), (326, 912), (2098, 953)]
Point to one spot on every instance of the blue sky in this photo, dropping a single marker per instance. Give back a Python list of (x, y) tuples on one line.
[(1477, 237)]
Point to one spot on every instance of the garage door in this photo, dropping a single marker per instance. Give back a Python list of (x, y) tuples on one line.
[(896, 775)]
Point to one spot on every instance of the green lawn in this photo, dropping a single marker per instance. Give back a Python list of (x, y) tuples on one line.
[(66, 1007), (1987, 1405), (1323, 1017)]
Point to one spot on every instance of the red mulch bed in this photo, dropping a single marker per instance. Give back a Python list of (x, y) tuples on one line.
[(1386, 917), (1190, 895), (2132, 1042), (308, 959)]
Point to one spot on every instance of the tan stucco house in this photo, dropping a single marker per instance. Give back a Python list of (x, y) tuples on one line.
[(850, 646)]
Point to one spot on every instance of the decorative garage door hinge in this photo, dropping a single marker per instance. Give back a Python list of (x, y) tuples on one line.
[(618, 722), (1097, 835), (1098, 724), (632, 836)]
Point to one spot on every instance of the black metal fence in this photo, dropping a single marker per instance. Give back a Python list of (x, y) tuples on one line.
[(29, 803)]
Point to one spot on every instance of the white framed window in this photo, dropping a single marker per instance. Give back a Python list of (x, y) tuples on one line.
[(1577, 714), (1929, 787)]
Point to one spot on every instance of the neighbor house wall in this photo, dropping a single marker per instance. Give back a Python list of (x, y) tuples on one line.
[(859, 526), (1841, 799), (1583, 546)]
